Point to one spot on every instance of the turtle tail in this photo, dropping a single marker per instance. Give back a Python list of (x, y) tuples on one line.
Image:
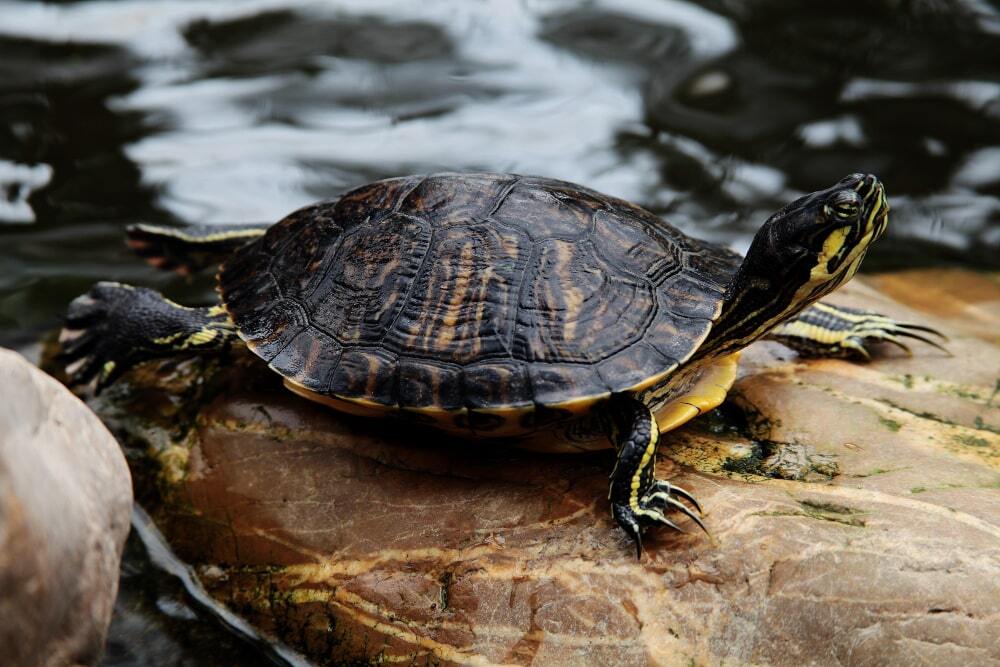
[(190, 249)]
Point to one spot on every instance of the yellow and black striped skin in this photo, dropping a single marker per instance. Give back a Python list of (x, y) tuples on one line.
[(485, 305), (186, 250), (831, 331), (787, 268)]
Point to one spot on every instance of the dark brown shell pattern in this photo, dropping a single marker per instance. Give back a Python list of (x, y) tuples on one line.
[(475, 291)]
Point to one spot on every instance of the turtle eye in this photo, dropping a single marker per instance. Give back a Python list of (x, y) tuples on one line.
[(843, 205)]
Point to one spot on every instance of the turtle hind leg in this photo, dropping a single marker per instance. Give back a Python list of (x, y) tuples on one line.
[(825, 330), (113, 327), (638, 499), (187, 250)]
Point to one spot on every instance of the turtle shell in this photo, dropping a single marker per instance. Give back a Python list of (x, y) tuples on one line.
[(475, 296)]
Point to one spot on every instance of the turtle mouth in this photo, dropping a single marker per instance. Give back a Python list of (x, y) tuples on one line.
[(874, 208)]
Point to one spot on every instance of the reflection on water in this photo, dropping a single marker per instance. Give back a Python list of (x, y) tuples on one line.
[(712, 114)]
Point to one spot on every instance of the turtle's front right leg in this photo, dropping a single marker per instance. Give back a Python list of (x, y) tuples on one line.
[(638, 499), (113, 327)]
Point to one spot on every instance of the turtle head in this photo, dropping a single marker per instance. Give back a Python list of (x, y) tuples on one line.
[(820, 239), (803, 252)]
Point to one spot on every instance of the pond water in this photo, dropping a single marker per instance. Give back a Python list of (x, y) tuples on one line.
[(712, 114)]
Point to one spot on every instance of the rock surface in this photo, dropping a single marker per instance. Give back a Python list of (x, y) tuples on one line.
[(354, 539), (65, 503)]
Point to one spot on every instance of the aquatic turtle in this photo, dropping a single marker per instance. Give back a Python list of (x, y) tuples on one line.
[(504, 307)]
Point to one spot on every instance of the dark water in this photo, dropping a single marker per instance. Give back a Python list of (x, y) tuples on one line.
[(712, 114)]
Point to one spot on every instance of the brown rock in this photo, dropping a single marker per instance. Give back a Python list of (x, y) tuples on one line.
[(349, 538), (65, 503)]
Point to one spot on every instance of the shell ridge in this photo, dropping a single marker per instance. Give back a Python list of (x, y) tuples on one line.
[(413, 281)]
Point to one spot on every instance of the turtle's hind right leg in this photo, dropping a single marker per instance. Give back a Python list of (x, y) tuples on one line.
[(189, 249), (113, 327)]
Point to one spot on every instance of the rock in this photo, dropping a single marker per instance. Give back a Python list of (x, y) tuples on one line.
[(65, 503), (355, 539)]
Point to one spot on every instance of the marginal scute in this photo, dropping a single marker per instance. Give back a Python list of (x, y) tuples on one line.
[(370, 374), (503, 382), (309, 360), (491, 299), (277, 328), (632, 367), (560, 383), (423, 385)]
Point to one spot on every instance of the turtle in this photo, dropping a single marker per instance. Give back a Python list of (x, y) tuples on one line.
[(499, 307)]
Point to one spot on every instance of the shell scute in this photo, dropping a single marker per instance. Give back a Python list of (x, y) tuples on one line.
[(423, 385), (450, 199), (502, 382), (368, 278), (553, 384), (569, 300), (459, 305), (309, 360), (366, 373)]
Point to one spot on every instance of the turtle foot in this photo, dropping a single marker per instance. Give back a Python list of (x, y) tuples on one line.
[(113, 327), (651, 509)]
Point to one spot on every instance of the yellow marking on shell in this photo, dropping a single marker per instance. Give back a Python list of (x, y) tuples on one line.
[(107, 369), (459, 295), (208, 238), (352, 406), (573, 298), (708, 392)]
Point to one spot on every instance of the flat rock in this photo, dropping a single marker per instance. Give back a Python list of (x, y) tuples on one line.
[(355, 539), (65, 504)]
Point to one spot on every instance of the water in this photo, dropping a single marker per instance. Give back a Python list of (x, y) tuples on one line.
[(712, 114)]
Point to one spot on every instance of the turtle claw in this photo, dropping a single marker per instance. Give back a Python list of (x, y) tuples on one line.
[(672, 503), (652, 509), (626, 519), (666, 487)]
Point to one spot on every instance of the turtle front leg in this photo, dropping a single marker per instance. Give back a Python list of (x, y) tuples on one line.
[(113, 327), (637, 498), (825, 330)]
